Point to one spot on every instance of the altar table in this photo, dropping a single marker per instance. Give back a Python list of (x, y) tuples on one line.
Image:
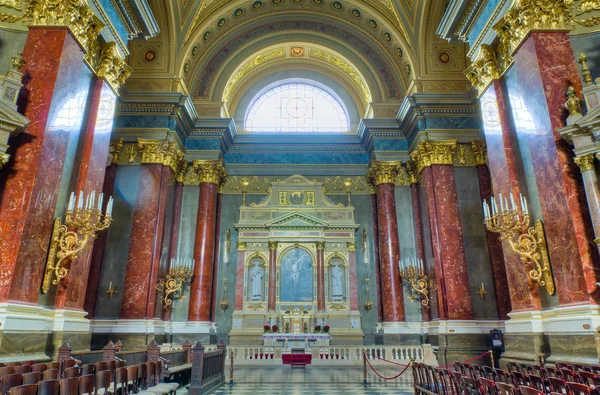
[(296, 340)]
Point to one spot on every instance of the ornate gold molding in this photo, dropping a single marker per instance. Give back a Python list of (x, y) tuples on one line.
[(180, 176), (162, 152), (351, 246), (320, 245), (480, 153), (114, 151), (210, 171), (413, 174), (273, 246), (585, 162), (383, 172), (4, 159), (484, 70), (439, 152), (241, 245)]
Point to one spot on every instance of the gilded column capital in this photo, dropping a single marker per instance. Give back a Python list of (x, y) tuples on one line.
[(162, 152), (351, 246), (241, 245), (413, 174), (480, 153), (585, 162), (273, 246), (383, 172), (320, 245), (438, 152), (4, 158), (180, 176), (114, 151), (484, 70), (209, 171)]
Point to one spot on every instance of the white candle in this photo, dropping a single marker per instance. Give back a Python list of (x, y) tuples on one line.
[(512, 202), (110, 285), (526, 208), (80, 202), (494, 210), (100, 201), (484, 212), (501, 203), (109, 206), (70, 207), (506, 207)]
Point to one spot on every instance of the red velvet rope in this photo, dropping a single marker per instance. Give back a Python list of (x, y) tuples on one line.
[(393, 363), (386, 378), (468, 360)]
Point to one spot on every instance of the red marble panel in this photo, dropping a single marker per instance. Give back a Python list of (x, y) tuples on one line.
[(204, 249), (376, 255), (97, 259), (414, 189), (545, 68), (29, 185), (139, 290), (177, 199), (213, 305), (239, 281), (353, 282), (501, 291), (389, 255), (524, 295), (272, 303), (71, 291), (320, 280)]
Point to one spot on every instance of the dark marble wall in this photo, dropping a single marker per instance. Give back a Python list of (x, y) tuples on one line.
[(476, 251), (11, 44), (117, 244), (589, 45)]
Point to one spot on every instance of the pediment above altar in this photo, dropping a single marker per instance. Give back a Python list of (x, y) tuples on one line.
[(296, 220)]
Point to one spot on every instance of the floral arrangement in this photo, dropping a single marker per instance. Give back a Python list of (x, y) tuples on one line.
[(267, 328), (317, 328), (326, 329), (275, 329)]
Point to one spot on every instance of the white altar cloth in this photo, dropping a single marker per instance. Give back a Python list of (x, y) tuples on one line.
[(296, 340)]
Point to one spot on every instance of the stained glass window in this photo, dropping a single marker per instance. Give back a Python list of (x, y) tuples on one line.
[(297, 107)]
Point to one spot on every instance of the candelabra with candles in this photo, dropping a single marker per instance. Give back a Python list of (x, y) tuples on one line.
[(413, 274), (181, 270), (513, 225), (83, 220)]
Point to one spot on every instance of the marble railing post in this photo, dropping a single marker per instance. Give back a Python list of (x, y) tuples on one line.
[(592, 192), (376, 253), (71, 290), (29, 182), (383, 176), (435, 159), (273, 275), (211, 174), (320, 276), (213, 304)]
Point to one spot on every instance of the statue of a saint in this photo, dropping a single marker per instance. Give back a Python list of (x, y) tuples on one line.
[(336, 282), (256, 275)]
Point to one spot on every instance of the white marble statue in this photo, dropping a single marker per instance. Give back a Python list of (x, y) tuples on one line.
[(257, 275), (336, 282)]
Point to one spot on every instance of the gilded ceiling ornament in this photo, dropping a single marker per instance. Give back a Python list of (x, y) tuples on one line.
[(585, 162), (461, 154), (356, 13), (238, 12), (439, 152), (480, 152), (337, 5), (220, 23), (387, 36), (210, 171), (373, 23), (257, 5), (383, 172)]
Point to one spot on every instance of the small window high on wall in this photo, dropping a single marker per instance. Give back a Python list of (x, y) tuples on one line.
[(299, 108)]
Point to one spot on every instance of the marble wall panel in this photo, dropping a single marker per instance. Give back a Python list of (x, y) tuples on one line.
[(475, 241), (117, 244), (11, 44), (588, 44)]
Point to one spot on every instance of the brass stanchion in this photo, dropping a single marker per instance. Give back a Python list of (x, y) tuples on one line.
[(231, 368), (364, 369), (492, 358)]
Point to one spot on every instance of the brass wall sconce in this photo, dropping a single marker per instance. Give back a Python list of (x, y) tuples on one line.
[(481, 292), (245, 183), (413, 274), (224, 302), (513, 224), (82, 222), (111, 290), (368, 304), (179, 273), (348, 185)]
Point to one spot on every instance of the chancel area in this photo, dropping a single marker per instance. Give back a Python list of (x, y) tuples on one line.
[(299, 196)]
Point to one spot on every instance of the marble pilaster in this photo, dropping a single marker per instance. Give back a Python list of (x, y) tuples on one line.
[(239, 277), (272, 276), (213, 304), (173, 251), (321, 276), (353, 283), (376, 255)]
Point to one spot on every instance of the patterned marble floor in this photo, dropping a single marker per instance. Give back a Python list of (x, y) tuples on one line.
[(314, 380)]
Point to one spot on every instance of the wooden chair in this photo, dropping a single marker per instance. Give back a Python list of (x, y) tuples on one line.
[(22, 369), (69, 363), (121, 363), (503, 376), (580, 389), (488, 387), (142, 376), (50, 374), (2, 364), (27, 363), (132, 375), (69, 386), (13, 364), (519, 379), (120, 384), (6, 370), (111, 365), (530, 391), (539, 370), (28, 389), (452, 388), (86, 384), (39, 367), (72, 372), (506, 389), (103, 382), (471, 385), (580, 368), (32, 378), (88, 369), (8, 381), (570, 375), (54, 365), (512, 367), (558, 385), (525, 368), (537, 382), (49, 387), (590, 379), (101, 366), (489, 373), (562, 365), (594, 369), (151, 376)]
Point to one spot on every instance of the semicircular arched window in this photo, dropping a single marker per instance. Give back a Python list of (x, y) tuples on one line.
[(299, 108)]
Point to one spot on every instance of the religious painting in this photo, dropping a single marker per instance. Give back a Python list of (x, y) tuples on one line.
[(297, 198), (296, 276)]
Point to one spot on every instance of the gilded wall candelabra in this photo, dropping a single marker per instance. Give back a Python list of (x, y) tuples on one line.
[(82, 222), (413, 274), (174, 280), (513, 225)]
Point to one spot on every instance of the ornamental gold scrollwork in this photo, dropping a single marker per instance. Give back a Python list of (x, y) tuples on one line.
[(480, 152), (209, 171)]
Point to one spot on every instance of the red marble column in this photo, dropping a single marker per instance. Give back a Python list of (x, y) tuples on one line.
[(239, 277), (54, 74), (145, 246), (545, 67), (174, 236), (376, 255), (389, 254), (97, 259), (524, 295), (71, 290), (454, 300), (272, 276), (204, 250), (320, 276), (213, 304), (501, 291), (352, 278), (414, 189)]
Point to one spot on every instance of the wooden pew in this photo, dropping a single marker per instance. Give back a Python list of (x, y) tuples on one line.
[(208, 369)]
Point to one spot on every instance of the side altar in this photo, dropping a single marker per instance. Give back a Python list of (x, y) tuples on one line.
[(296, 266)]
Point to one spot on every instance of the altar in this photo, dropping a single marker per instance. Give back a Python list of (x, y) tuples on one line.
[(289, 341)]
